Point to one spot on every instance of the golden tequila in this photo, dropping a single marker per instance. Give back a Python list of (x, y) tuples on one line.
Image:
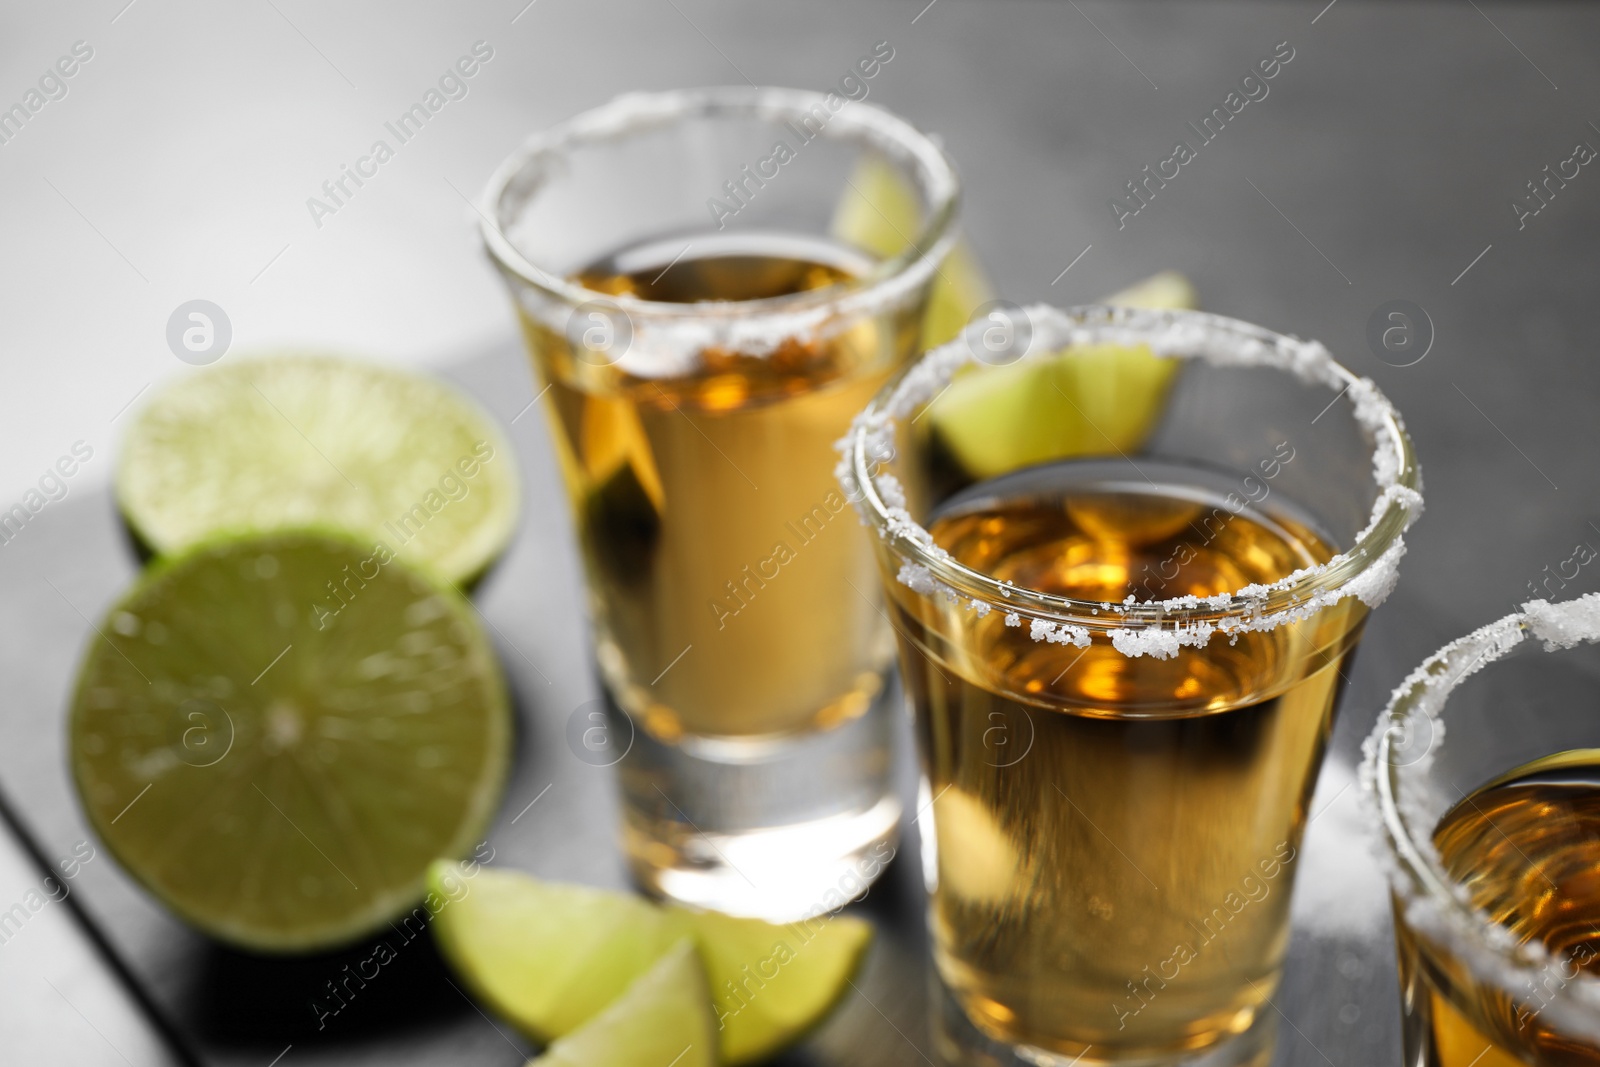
[(708, 517), (1115, 837), (1527, 849), (736, 616)]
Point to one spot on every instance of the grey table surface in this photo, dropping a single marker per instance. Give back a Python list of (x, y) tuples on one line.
[(1382, 165)]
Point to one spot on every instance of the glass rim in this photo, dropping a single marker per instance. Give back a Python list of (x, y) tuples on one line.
[(519, 177), (1434, 901), (1367, 569)]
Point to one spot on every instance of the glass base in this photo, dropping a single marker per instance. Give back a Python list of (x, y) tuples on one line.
[(959, 1043), (780, 829)]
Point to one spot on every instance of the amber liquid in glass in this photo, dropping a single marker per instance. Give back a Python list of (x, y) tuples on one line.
[(738, 624), (1527, 848), (707, 511), (1115, 837)]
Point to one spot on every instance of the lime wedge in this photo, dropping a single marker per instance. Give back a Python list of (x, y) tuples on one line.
[(549, 957), (771, 984), (1101, 400), (545, 956), (987, 866), (1168, 289), (293, 441), (662, 1020), (880, 213), (276, 736)]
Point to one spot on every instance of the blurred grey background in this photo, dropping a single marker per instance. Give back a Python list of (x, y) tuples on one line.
[(175, 163)]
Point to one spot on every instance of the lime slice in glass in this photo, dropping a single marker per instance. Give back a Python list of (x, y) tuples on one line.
[(277, 735), (1102, 400), (548, 957), (662, 1020), (298, 440), (545, 956), (880, 213)]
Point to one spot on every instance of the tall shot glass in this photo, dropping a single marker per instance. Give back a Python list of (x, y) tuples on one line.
[(711, 283), (1485, 773), (1128, 555)]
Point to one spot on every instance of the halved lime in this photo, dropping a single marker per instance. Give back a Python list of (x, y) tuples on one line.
[(548, 957), (297, 440), (277, 734), (880, 213), (662, 1020), (1100, 400)]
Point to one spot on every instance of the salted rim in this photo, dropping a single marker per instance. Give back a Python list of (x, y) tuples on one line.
[(671, 335), (1367, 570), (1435, 903)]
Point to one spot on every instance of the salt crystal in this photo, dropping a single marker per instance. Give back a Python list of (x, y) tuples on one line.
[(1566, 624)]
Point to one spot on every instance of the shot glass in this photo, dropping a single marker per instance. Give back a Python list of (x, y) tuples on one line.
[(1127, 554), (1492, 829), (711, 283)]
